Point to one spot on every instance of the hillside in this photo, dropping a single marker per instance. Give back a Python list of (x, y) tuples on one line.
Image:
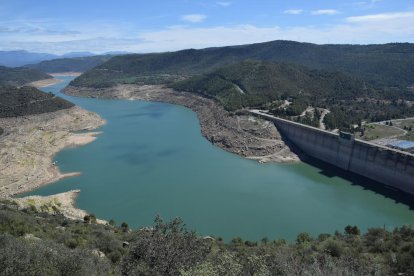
[(33, 242), (78, 64), (255, 83), (20, 76), (26, 100), (268, 85), (389, 65)]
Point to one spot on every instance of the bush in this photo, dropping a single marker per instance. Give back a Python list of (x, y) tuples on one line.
[(166, 249), (18, 257)]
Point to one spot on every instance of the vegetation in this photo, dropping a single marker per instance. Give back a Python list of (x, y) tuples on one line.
[(387, 65), (15, 101), (255, 83), (33, 243), (267, 85), (382, 90), (78, 64), (377, 131), (20, 76)]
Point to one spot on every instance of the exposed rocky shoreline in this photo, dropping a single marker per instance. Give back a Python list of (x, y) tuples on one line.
[(63, 203), (29, 143), (241, 134), (44, 83)]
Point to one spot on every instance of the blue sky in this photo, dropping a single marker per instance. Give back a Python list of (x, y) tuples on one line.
[(154, 26)]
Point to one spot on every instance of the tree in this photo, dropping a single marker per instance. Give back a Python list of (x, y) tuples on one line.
[(303, 238), (93, 218), (124, 227), (165, 250), (352, 230)]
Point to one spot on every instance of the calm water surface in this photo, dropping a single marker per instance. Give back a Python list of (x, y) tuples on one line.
[(151, 159)]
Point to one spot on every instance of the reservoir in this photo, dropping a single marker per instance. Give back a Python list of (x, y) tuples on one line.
[(151, 159)]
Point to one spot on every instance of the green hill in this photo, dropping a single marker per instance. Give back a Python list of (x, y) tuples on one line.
[(20, 75), (390, 65), (79, 64), (255, 83), (266, 85), (23, 101)]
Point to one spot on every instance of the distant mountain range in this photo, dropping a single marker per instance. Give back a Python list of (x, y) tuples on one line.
[(75, 64), (21, 57)]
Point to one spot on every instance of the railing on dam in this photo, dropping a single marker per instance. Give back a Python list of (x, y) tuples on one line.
[(392, 167)]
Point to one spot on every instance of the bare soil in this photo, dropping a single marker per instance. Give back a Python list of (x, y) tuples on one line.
[(29, 143)]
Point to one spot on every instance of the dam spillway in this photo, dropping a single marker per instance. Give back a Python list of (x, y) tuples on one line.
[(388, 166)]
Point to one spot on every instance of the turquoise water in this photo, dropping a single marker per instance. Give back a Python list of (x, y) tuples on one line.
[(151, 159)]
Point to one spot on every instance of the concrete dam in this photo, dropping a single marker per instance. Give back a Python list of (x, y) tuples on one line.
[(388, 166)]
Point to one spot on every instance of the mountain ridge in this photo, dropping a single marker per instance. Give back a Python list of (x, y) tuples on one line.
[(20, 75), (390, 65)]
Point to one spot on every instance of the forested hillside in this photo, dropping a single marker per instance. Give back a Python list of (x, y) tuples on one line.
[(355, 82), (287, 90), (78, 64), (20, 75), (255, 84), (389, 65), (26, 100)]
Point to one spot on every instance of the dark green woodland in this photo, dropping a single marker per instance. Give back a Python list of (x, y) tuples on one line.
[(20, 76), (23, 101)]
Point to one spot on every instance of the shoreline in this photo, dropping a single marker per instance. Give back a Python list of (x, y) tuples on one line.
[(67, 74), (64, 203), (30, 144), (47, 134), (44, 83), (240, 134)]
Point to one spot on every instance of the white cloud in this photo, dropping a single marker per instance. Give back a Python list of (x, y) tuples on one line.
[(375, 1), (194, 18), (105, 36), (366, 4), (324, 12), (224, 4), (381, 17), (293, 11)]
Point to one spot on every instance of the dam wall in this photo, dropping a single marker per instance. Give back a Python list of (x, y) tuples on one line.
[(385, 165)]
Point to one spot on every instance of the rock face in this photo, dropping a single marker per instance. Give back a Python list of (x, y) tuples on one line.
[(240, 134)]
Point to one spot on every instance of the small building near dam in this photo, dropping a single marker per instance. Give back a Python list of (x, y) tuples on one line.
[(402, 145)]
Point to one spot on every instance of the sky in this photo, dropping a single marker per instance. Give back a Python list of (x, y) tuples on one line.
[(62, 26)]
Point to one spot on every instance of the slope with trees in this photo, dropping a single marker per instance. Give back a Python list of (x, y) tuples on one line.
[(388, 65), (20, 75), (23, 101)]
